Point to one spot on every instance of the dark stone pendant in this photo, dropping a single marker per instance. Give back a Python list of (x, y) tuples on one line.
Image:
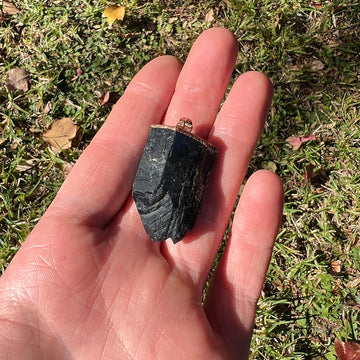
[(171, 180)]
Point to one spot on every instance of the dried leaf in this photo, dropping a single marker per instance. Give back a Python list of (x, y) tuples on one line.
[(318, 177), (18, 79), (62, 134), (47, 107), (347, 350), (296, 141), (9, 8), (114, 12), (317, 65), (306, 138), (109, 98), (209, 17), (336, 266), (270, 165), (104, 99)]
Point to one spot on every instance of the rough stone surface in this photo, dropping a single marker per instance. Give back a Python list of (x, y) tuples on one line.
[(171, 181)]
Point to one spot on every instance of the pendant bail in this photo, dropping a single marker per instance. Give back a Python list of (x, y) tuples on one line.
[(185, 124)]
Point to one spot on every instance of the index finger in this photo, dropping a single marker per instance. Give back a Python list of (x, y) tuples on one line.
[(101, 179)]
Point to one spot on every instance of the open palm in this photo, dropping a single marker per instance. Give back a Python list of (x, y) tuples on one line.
[(88, 283)]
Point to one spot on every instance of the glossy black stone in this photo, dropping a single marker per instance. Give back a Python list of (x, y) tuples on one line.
[(171, 180)]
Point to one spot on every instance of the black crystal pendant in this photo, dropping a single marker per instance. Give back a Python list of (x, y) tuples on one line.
[(171, 180)]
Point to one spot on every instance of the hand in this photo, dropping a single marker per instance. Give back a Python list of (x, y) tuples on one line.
[(88, 283)]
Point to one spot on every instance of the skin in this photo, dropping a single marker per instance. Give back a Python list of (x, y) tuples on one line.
[(88, 283)]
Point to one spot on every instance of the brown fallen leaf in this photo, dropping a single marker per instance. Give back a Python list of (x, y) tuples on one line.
[(336, 266), (18, 79), (347, 350), (114, 12), (317, 65), (108, 98), (270, 165), (316, 178), (62, 134), (47, 107), (8, 8), (209, 17), (104, 99), (296, 141)]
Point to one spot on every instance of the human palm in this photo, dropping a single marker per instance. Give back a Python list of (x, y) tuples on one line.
[(88, 283)]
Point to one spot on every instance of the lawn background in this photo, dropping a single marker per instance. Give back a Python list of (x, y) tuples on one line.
[(309, 49)]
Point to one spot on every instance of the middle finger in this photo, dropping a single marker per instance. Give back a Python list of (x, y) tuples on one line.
[(199, 91), (203, 80)]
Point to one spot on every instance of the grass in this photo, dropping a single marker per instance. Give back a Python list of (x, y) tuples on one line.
[(310, 50)]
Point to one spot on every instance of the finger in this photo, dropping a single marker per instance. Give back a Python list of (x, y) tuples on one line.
[(203, 80), (238, 280), (102, 178), (235, 134), (199, 91)]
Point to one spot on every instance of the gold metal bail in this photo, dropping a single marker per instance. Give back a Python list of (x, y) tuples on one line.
[(185, 124)]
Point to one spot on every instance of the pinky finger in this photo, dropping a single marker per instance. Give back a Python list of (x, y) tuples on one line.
[(238, 280)]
